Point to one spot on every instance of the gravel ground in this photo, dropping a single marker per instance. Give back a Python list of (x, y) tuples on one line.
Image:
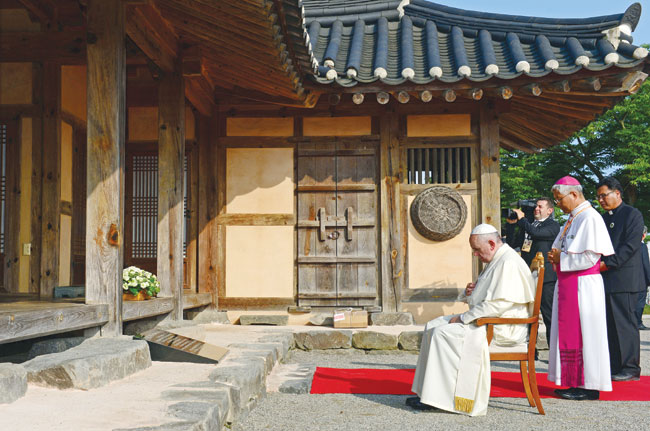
[(338, 412)]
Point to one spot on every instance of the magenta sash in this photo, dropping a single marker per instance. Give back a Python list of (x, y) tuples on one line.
[(568, 325)]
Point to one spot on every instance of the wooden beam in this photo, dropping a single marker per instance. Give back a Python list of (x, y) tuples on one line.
[(489, 167), (66, 47), (153, 35), (132, 310), (42, 10), (51, 188), (106, 88), (207, 206), (392, 246), (171, 152)]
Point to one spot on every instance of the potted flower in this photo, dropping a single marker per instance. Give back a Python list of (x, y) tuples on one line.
[(138, 284)]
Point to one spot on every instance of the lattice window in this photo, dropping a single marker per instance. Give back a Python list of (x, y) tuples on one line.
[(3, 184), (439, 165), (145, 206)]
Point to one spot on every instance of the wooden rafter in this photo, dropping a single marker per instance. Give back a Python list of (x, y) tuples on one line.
[(153, 35)]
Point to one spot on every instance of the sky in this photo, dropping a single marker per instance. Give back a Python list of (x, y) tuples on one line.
[(561, 9)]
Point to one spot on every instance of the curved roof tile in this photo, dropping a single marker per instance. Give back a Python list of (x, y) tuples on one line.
[(416, 40)]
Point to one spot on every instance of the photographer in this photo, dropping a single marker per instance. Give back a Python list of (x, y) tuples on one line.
[(539, 236)]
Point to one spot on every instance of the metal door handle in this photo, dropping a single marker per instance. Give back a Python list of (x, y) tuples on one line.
[(334, 235), (349, 213), (321, 226)]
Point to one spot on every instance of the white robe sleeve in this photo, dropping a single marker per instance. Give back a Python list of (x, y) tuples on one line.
[(578, 261), (493, 308)]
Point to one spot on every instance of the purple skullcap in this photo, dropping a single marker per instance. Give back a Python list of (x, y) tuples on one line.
[(567, 181)]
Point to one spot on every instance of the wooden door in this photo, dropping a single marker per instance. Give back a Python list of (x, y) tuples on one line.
[(337, 224)]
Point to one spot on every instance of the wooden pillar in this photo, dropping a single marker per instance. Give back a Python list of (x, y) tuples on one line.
[(106, 99), (207, 206), (191, 247), (393, 248), (171, 152), (37, 180), (51, 187), (12, 248), (489, 167)]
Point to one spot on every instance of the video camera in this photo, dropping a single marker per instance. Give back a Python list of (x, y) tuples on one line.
[(526, 205)]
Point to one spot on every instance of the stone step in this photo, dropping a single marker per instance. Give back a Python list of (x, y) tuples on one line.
[(91, 364)]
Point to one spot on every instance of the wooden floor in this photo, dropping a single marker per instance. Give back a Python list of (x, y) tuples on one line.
[(26, 316)]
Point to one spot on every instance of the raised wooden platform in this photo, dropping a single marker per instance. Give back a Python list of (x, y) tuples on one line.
[(24, 316), (29, 319)]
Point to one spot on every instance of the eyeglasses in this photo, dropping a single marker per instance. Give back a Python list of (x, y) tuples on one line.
[(557, 201), (604, 195)]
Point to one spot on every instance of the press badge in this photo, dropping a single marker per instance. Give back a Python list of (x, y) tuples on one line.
[(528, 243)]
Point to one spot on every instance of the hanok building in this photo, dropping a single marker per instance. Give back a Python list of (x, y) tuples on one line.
[(272, 156)]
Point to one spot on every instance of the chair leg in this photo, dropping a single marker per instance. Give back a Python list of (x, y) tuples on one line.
[(533, 385), (524, 380)]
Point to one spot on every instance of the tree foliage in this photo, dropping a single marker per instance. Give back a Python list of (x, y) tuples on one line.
[(616, 144)]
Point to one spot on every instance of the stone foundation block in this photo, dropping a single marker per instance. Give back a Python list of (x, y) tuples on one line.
[(391, 319), (410, 340), (369, 340), (323, 340)]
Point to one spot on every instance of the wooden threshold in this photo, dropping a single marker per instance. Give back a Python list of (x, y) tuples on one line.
[(30, 319), (193, 300)]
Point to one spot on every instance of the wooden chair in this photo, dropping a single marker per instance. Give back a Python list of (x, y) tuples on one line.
[(524, 354)]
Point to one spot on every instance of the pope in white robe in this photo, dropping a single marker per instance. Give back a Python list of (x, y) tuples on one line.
[(453, 369), (576, 254)]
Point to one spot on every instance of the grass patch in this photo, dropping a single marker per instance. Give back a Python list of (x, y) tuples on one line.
[(646, 309)]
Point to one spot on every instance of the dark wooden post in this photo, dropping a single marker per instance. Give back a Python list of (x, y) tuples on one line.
[(489, 167), (51, 188), (393, 247), (106, 101), (207, 206), (171, 151)]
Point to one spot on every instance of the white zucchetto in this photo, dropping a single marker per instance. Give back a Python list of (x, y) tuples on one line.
[(483, 229)]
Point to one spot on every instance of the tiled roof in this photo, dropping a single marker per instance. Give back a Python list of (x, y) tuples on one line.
[(364, 41)]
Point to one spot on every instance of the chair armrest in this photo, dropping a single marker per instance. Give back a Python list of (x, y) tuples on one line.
[(504, 321)]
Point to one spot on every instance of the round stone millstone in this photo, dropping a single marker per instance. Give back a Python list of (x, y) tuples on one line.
[(438, 213)]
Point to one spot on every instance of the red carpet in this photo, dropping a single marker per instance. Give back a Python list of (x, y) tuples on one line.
[(504, 385)]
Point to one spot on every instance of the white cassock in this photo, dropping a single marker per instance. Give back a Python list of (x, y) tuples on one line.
[(453, 370), (586, 239)]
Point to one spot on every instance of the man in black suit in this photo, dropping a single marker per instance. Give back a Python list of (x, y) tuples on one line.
[(539, 236), (645, 262), (623, 276)]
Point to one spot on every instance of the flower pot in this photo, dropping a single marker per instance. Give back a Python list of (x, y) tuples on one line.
[(128, 296)]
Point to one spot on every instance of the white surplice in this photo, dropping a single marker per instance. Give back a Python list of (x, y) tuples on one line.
[(454, 361), (586, 240)]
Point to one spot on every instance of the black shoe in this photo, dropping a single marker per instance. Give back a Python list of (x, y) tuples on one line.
[(578, 394), (625, 376), (415, 403), (642, 327)]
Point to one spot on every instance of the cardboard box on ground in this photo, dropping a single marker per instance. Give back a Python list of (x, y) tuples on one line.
[(349, 318)]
